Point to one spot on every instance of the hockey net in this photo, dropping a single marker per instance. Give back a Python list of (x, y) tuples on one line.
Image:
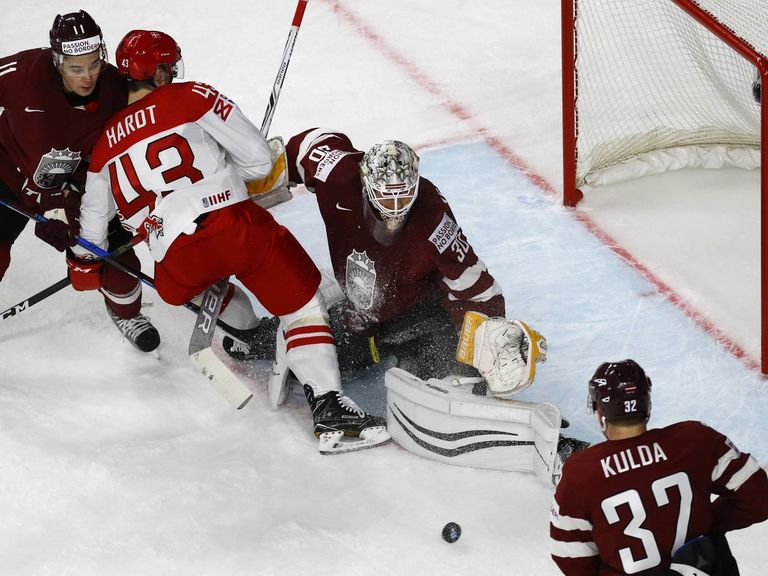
[(656, 85)]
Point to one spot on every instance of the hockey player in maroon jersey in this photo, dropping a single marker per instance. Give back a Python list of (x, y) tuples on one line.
[(56, 102), (173, 164), (640, 503), (409, 276)]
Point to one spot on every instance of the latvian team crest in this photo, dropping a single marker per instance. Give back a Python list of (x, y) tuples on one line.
[(56, 167), (361, 279)]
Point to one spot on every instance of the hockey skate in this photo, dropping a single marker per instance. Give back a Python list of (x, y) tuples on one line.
[(565, 448), (337, 419), (138, 330)]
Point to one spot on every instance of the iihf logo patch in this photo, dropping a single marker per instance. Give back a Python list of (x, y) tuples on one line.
[(218, 198)]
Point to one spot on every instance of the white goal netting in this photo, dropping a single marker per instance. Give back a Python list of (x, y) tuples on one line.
[(657, 90)]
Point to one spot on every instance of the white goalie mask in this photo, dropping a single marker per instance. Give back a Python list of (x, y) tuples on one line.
[(390, 174)]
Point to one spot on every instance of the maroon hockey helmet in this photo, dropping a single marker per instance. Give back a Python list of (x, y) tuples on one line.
[(141, 52), (75, 34), (621, 390)]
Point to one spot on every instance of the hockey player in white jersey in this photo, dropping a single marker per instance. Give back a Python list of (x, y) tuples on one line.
[(173, 165)]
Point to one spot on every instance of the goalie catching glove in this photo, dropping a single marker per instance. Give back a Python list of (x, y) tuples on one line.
[(277, 177), (504, 352)]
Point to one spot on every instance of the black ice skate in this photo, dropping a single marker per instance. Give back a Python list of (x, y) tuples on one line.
[(565, 448), (255, 344), (337, 419), (138, 330)]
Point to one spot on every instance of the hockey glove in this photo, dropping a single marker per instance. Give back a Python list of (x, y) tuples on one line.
[(84, 273), (62, 211), (504, 352), (53, 232), (277, 177)]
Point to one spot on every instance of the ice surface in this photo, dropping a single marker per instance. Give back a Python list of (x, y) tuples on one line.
[(118, 463)]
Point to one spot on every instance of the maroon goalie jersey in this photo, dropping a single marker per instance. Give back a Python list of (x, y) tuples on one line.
[(430, 254), (624, 506), (44, 140)]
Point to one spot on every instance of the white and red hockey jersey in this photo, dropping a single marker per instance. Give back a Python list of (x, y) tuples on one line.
[(180, 152)]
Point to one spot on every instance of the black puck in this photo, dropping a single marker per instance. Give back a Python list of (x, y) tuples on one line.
[(451, 532)]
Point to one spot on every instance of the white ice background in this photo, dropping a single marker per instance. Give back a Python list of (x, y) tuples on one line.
[(113, 462)]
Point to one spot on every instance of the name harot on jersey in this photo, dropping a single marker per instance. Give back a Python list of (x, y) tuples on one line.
[(130, 124)]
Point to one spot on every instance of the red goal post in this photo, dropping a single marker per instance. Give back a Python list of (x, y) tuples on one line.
[(655, 85)]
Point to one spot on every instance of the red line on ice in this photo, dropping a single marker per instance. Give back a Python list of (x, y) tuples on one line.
[(459, 111)]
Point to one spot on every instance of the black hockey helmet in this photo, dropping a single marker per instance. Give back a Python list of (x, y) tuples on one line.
[(621, 390), (74, 34)]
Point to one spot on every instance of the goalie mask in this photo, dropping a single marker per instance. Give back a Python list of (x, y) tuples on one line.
[(621, 390), (142, 54), (75, 34), (390, 174)]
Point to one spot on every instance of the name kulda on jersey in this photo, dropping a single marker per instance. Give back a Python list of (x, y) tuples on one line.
[(631, 459)]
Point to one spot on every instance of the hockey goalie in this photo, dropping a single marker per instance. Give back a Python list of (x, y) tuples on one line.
[(411, 288)]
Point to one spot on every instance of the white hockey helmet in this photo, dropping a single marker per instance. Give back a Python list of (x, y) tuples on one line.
[(390, 174)]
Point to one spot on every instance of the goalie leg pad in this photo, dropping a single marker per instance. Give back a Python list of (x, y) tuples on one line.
[(442, 421)]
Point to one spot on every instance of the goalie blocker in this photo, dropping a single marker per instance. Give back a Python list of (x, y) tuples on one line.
[(443, 420)]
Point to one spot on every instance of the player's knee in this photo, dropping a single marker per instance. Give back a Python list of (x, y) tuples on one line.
[(313, 312)]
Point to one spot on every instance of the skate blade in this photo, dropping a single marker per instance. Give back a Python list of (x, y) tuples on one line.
[(337, 443)]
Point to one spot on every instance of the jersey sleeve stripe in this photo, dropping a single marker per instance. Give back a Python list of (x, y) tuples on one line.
[(468, 278), (572, 549), (722, 464), (569, 522), (743, 474), (494, 290)]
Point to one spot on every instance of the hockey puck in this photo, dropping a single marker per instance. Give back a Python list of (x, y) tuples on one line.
[(451, 532)]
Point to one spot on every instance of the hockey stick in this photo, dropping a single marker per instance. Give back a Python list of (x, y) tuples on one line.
[(287, 51), (32, 300), (282, 194), (52, 289), (211, 367), (109, 258), (202, 336)]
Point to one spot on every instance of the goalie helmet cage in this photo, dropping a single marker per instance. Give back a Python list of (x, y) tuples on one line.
[(652, 85)]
